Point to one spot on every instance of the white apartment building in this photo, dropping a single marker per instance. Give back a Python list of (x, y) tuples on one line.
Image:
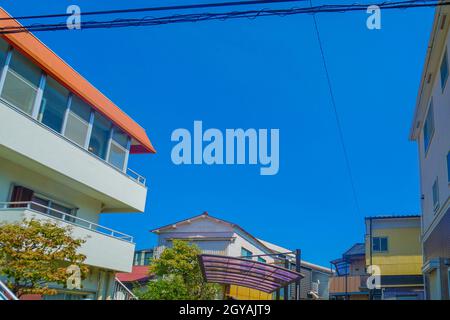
[(220, 237), (64, 150), (431, 130)]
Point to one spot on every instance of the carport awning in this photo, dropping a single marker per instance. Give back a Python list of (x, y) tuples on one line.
[(244, 272)]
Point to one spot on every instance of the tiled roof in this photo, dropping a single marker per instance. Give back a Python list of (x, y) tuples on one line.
[(138, 273)]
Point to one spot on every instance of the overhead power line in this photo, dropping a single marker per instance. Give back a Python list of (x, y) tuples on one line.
[(336, 115), (153, 9), (248, 14)]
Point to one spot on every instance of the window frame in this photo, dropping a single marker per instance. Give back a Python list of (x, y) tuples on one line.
[(435, 195), (429, 138), (444, 59), (246, 256), (379, 239)]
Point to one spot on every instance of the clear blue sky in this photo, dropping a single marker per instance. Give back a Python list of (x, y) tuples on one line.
[(264, 73)]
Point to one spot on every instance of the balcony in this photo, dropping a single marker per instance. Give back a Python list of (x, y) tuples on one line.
[(344, 285), (29, 143), (104, 247)]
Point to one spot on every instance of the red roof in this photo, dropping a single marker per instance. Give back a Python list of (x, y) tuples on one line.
[(33, 48), (138, 273)]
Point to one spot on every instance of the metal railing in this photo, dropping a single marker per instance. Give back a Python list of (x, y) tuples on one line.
[(6, 293), (121, 292), (66, 217)]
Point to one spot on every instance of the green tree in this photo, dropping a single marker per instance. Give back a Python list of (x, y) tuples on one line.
[(178, 276), (34, 254)]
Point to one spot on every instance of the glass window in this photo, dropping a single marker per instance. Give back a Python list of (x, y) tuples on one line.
[(117, 155), (53, 104), (120, 137), (39, 204), (118, 149), (148, 258), (246, 253), (436, 194), (379, 244), (100, 136), (77, 125), (3, 52), (21, 83), (428, 128), (261, 260), (444, 70), (383, 244)]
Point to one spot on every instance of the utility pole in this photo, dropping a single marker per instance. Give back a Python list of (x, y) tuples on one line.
[(298, 262)]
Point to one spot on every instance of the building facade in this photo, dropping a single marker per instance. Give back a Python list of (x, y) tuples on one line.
[(216, 236), (393, 246), (431, 130), (350, 279), (64, 150)]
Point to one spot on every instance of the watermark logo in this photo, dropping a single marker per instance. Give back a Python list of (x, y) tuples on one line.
[(212, 147), (373, 22), (74, 279), (374, 280), (74, 20)]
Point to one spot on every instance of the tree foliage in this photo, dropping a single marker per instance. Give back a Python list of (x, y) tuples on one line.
[(34, 254), (178, 276)]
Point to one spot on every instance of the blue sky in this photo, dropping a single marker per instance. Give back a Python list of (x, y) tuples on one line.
[(264, 73)]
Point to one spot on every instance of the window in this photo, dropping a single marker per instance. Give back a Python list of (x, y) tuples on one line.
[(53, 104), (448, 167), (3, 52), (21, 83), (261, 260), (148, 258), (444, 70), (435, 194), (428, 128), (77, 125), (379, 244), (50, 207), (100, 136), (246, 253), (118, 149)]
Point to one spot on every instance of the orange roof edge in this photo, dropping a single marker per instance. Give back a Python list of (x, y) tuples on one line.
[(53, 65)]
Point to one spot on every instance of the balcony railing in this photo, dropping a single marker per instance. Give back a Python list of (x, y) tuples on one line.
[(5, 293), (348, 284), (121, 292), (65, 217)]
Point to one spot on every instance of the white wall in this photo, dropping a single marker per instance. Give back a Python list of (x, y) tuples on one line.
[(101, 250), (11, 173), (209, 235), (25, 141)]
